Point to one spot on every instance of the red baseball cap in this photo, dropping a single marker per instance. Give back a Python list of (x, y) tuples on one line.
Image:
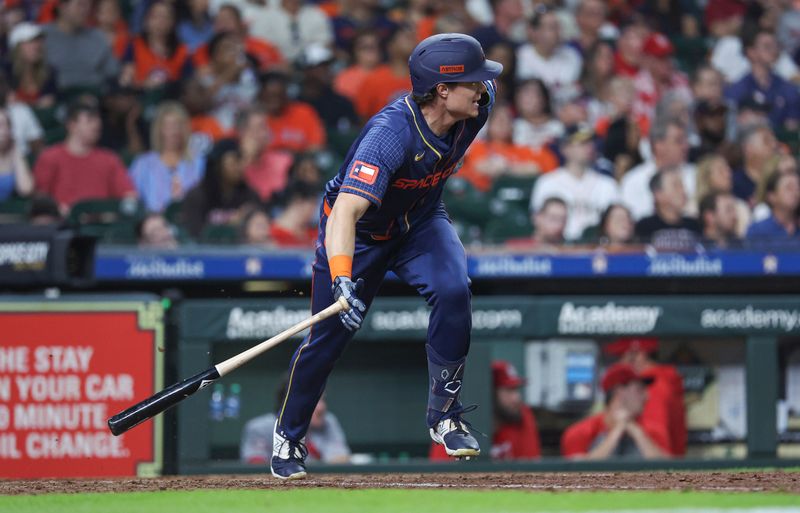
[(658, 45), (720, 10), (504, 375), (625, 344), (621, 374)]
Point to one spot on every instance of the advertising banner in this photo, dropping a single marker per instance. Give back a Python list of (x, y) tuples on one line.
[(65, 368)]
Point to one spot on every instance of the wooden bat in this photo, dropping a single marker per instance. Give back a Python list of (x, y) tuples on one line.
[(170, 396)]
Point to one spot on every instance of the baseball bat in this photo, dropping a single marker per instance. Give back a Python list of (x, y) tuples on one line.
[(170, 396)]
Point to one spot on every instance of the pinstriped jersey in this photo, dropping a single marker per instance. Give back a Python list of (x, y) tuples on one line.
[(401, 166)]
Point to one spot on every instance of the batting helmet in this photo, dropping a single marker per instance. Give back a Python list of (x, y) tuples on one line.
[(449, 58)]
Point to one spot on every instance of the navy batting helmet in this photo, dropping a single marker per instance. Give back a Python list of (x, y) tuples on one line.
[(449, 58)]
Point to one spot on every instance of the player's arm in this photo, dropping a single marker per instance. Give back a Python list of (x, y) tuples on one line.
[(340, 232)]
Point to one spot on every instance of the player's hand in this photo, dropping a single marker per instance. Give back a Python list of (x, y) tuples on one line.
[(344, 287)]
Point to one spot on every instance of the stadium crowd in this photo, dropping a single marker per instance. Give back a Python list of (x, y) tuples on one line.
[(670, 123)]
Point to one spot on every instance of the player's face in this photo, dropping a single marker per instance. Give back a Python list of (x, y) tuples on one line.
[(462, 100)]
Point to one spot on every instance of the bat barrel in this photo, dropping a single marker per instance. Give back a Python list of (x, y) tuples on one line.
[(153, 405)]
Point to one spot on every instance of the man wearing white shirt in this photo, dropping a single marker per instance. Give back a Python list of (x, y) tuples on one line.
[(670, 148), (586, 192), (291, 26)]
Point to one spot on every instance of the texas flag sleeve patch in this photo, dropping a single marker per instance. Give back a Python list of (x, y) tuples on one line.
[(364, 172)]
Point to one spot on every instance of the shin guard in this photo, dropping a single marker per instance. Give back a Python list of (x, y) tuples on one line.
[(445, 385)]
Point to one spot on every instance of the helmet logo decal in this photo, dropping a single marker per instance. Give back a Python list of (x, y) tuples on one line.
[(455, 68)]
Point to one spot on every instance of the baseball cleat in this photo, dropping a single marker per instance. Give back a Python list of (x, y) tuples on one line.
[(288, 458), (456, 439)]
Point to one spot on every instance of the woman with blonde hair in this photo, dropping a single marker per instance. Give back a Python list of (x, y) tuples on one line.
[(715, 175), (168, 170), (32, 78), (779, 164)]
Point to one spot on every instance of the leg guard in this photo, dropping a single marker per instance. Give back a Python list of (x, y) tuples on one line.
[(445, 385)]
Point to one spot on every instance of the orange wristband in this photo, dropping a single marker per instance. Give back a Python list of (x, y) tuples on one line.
[(341, 265)]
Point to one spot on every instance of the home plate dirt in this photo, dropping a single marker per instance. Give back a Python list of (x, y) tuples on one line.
[(771, 481)]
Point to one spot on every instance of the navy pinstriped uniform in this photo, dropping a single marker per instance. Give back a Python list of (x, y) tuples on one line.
[(401, 167)]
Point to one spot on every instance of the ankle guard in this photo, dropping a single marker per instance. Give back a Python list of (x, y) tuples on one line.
[(445, 385)]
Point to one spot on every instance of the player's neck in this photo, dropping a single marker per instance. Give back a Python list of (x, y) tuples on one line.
[(438, 119)]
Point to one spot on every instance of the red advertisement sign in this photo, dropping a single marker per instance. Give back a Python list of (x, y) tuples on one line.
[(62, 375)]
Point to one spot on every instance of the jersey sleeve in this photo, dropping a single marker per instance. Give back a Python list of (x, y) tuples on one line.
[(379, 154)]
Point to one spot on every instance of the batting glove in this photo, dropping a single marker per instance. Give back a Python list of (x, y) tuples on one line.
[(344, 287)]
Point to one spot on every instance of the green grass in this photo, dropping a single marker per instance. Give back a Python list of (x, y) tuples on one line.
[(382, 501)]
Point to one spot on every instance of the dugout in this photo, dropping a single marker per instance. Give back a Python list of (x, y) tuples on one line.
[(382, 374)]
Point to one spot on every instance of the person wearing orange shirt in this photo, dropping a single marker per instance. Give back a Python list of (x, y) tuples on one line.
[(366, 54), (515, 436), (664, 394), (619, 430), (295, 125), (113, 25), (388, 81), (488, 159)]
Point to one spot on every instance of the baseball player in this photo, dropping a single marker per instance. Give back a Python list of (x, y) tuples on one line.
[(383, 211)]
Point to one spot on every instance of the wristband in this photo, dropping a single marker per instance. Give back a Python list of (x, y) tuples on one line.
[(341, 265)]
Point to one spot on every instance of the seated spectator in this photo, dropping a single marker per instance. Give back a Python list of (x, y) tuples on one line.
[(77, 169), (590, 17), (113, 26), (710, 120), (156, 58), (366, 56), (719, 220), (622, 129), (586, 192), (306, 170), (387, 81), (26, 130), (618, 430), (325, 440), (222, 197), (549, 223), (291, 25), (293, 125), (714, 175), (758, 145), (763, 85), (154, 232), (80, 54), (316, 89), (596, 75), (546, 57), (196, 28), (358, 15), (205, 128), (668, 228), (255, 229), (780, 163), (296, 223), (515, 435), (265, 170), (616, 230), (497, 155), (507, 26), (44, 211), (32, 78), (658, 76), (504, 53), (665, 405), (168, 170), (783, 198), (535, 127), (15, 175), (630, 50), (125, 130)]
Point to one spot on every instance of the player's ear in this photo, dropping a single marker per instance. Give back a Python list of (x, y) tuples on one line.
[(442, 90)]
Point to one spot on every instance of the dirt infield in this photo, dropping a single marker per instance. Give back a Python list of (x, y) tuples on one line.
[(773, 481)]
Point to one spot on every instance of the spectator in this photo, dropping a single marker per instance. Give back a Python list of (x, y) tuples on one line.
[(670, 148), (763, 85), (230, 78), (785, 164), (668, 228), (597, 73), (196, 28), (156, 58), (254, 230), (505, 54), (80, 54), (590, 16), (222, 197), (658, 76), (205, 128), (335, 111), (15, 175), (630, 50), (507, 26), (26, 130), (665, 405), (622, 129), (783, 198), (535, 127), (714, 176), (124, 129), (355, 15), (719, 220), (113, 26), (515, 434), (32, 78), (497, 155), (293, 125), (77, 169), (758, 145), (296, 223), (549, 223), (168, 170), (618, 430), (711, 120), (616, 229), (265, 170), (389, 80), (325, 440), (586, 192), (366, 56), (306, 170), (291, 26), (546, 57), (44, 211), (154, 232)]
